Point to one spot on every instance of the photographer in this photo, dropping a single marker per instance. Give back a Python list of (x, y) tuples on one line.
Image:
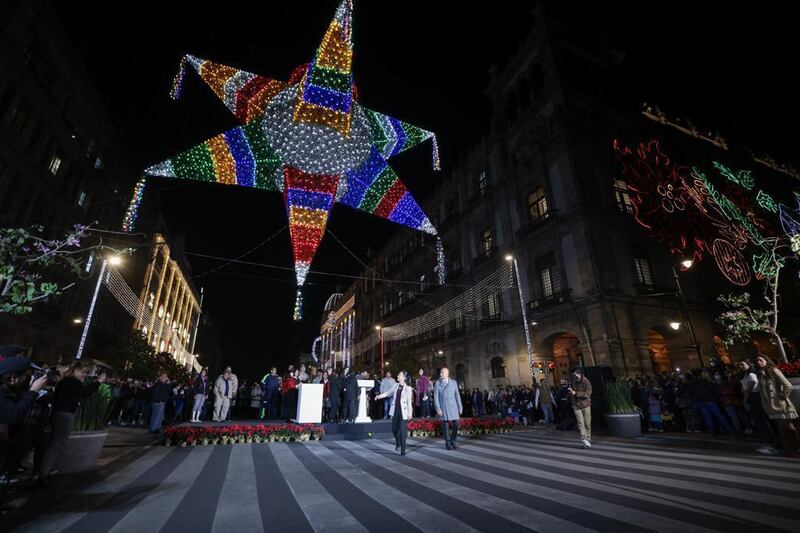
[(17, 395), (66, 399)]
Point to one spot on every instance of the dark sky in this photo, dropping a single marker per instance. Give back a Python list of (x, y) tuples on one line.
[(730, 69)]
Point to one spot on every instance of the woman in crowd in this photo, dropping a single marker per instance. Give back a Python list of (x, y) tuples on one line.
[(200, 390), (776, 393), (289, 397), (66, 400)]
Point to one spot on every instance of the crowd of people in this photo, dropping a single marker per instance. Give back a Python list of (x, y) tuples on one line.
[(38, 405)]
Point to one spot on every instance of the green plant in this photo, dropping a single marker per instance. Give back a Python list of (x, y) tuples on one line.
[(92, 413), (618, 398)]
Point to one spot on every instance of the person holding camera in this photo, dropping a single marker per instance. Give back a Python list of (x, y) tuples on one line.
[(18, 392), (66, 400)]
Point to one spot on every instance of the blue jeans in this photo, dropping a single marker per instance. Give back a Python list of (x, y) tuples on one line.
[(547, 413), (734, 417), (426, 408), (710, 412), (156, 416), (387, 404)]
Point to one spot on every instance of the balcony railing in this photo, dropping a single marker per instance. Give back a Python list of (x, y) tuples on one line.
[(557, 298)]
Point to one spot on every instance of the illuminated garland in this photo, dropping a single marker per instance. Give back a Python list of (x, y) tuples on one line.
[(132, 213), (308, 138), (684, 209)]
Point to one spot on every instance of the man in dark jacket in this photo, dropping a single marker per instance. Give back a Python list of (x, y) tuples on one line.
[(334, 395), (159, 396), (272, 389), (581, 391), (350, 395), (15, 403)]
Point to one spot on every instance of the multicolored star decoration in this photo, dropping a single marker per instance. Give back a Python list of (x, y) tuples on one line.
[(307, 138), (696, 216)]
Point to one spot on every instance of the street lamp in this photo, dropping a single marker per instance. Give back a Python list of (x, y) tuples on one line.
[(114, 260), (380, 331), (686, 263), (441, 352), (77, 320), (675, 325), (524, 312)]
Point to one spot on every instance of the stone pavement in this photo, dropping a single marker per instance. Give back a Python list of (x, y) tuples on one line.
[(528, 480)]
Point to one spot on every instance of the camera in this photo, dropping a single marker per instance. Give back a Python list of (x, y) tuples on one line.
[(52, 376)]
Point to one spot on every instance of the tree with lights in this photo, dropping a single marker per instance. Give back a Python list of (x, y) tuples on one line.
[(26, 264), (307, 138)]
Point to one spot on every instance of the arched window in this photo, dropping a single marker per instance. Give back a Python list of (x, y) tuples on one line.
[(498, 368)]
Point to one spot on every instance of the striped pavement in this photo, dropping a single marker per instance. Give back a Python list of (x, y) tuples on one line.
[(528, 480)]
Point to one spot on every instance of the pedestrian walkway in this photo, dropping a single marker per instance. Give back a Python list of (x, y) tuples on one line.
[(529, 480)]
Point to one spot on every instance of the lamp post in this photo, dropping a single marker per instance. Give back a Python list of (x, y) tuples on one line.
[(380, 332), (687, 264), (114, 260), (513, 261)]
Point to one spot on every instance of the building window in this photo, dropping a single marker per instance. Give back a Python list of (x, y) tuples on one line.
[(498, 368), (487, 242), (641, 265), (482, 185), (548, 276), (494, 306), (82, 198), (55, 164), (537, 205), (151, 300), (622, 194), (19, 115), (98, 163)]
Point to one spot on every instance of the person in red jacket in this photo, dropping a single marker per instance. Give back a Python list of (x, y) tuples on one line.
[(289, 397)]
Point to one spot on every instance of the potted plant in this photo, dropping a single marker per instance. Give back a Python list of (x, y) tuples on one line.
[(83, 447), (622, 418)]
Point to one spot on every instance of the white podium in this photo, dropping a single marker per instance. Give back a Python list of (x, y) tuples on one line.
[(364, 385), (309, 403)]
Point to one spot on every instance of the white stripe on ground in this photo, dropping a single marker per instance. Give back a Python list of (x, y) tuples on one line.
[(155, 509), (60, 520), (608, 486), (542, 460), (322, 510), (525, 516), (602, 451), (238, 501), (416, 512), (753, 459), (693, 472), (615, 511)]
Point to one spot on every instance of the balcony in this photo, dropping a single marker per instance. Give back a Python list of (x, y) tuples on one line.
[(557, 298), (534, 225), (484, 256)]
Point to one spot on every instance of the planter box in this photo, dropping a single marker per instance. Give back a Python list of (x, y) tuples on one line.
[(81, 451), (624, 425)]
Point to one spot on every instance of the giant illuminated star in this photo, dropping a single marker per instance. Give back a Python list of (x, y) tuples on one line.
[(307, 138)]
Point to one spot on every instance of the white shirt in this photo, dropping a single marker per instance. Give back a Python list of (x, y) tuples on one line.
[(750, 377)]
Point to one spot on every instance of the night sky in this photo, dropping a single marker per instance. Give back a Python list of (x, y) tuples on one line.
[(424, 62)]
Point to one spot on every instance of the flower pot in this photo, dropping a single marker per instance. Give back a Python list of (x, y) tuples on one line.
[(795, 391), (624, 425), (81, 451)]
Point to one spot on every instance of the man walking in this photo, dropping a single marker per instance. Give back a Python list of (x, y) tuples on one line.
[(159, 396), (224, 390), (580, 389), (447, 400), (387, 384)]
